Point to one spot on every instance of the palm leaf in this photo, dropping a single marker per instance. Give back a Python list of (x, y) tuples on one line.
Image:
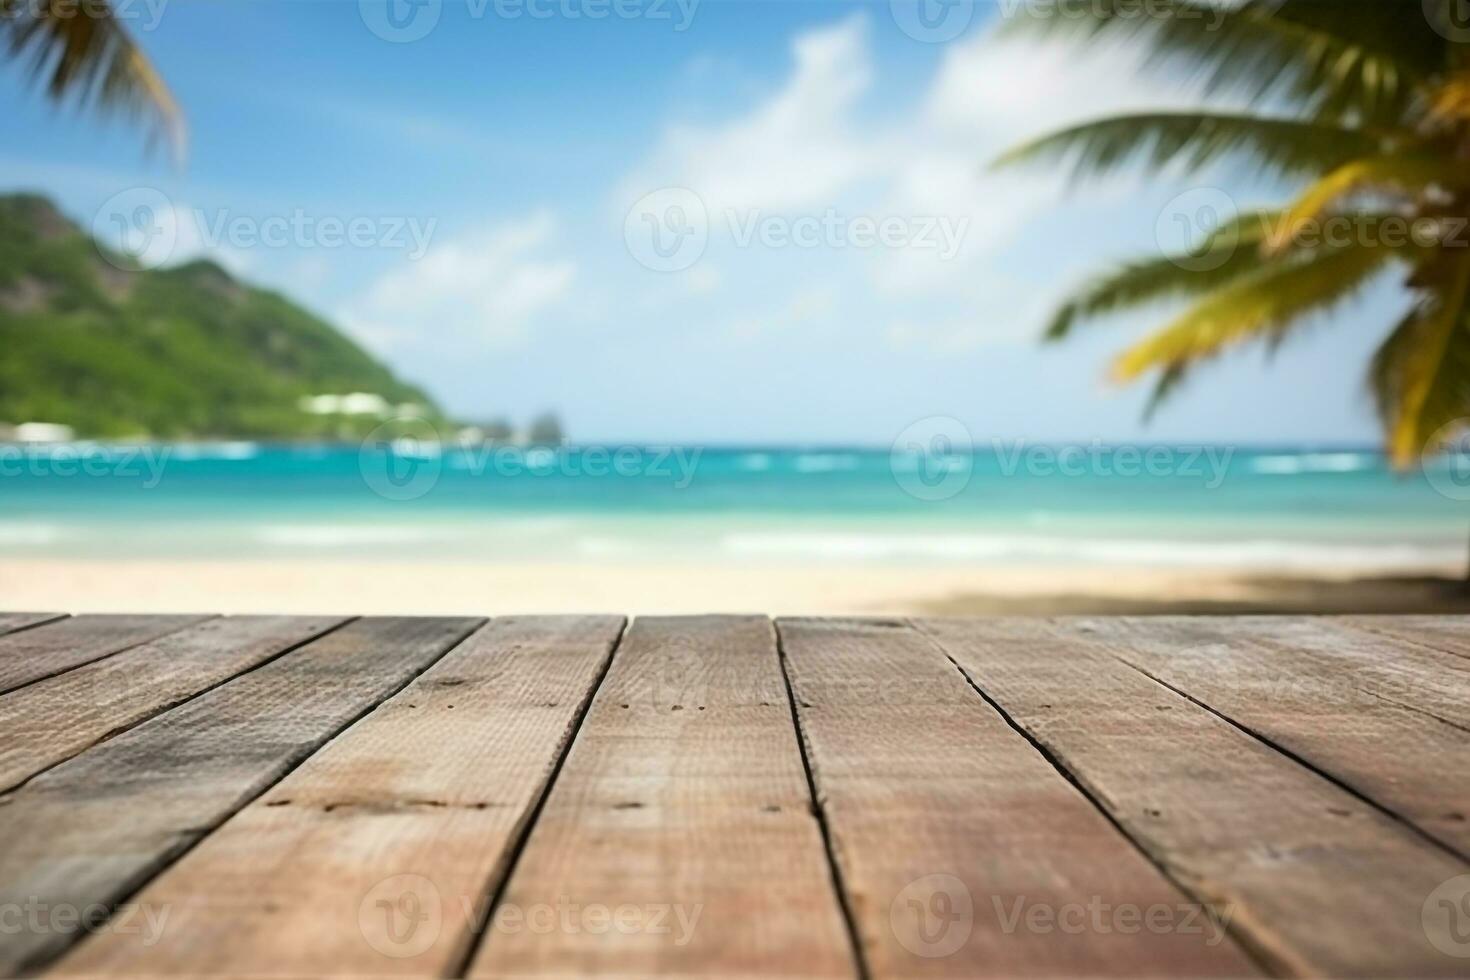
[(81, 53), (1450, 101), (1420, 376), (1171, 379), (1331, 58), (1261, 305), (1281, 146), (1401, 174), (1231, 251)]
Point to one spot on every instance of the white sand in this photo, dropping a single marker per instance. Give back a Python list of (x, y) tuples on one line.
[(455, 588)]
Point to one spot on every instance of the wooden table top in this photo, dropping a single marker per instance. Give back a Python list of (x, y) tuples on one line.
[(585, 795)]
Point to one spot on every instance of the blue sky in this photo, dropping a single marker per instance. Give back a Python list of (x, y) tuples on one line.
[(519, 136)]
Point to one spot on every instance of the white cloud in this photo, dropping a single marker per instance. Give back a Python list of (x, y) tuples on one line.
[(481, 290), (811, 148), (797, 149), (987, 96), (813, 304)]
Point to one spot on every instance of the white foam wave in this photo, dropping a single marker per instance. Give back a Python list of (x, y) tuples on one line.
[(215, 450), (30, 534), (825, 462), (1292, 464), (345, 535), (1261, 553)]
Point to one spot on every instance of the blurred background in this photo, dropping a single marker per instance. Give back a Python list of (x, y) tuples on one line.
[(693, 305)]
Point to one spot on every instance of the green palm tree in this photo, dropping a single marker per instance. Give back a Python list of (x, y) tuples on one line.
[(1367, 103), (83, 55)]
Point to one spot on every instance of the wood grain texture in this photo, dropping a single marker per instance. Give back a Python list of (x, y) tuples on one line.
[(1408, 762), (964, 852), (53, 719), (93, 829), (1319, 882), (421, 801), (1448, 633), (678, 839), (1419, 678), (10, 622), (35, 654)]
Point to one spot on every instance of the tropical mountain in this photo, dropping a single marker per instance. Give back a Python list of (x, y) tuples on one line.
[(180, 352), (1364, 106)]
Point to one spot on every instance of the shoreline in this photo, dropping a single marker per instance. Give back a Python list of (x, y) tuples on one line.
[(425, 588)]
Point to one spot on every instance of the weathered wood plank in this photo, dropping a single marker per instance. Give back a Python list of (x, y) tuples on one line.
[(10, 622), (420, 801), (678, 839), (1313, 706), (1416, 677), (1448, 633), (95, 828), (53, 719), (35, 654), (1320, 882), (964, 852)]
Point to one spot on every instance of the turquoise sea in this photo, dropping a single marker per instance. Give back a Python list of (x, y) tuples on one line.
[(1153, 506)]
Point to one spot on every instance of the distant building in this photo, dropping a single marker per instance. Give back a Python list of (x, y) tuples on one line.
[(356, 403), (41, 432)]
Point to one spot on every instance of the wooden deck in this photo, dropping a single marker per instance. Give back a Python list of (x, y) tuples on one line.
[(562, 796)]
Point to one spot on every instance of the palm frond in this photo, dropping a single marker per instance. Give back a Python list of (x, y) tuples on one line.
[(1260, 305), (1420, 376), (1450, 100), (1334, 60), (1197, 139), (1402, 174), (1231, 251), (82, 54), (1171, 379)]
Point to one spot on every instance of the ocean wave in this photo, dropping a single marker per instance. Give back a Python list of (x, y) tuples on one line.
[(346, 535), (238, 450), (1261, 553), (1292, 464), (30, 534), (825, 462)]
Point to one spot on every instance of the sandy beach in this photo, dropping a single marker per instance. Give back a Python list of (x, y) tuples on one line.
[(302, 586)]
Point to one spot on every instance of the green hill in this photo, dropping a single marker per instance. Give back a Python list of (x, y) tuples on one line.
[(181, 352)]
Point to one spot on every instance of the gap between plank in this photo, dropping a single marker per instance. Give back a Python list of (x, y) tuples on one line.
[(1307, 764), (1257, 953), (521, 835), (106, 656), (1412, 641), (58, 617), (1415, 709), (819, 813), (144, 879), (121, 729)]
